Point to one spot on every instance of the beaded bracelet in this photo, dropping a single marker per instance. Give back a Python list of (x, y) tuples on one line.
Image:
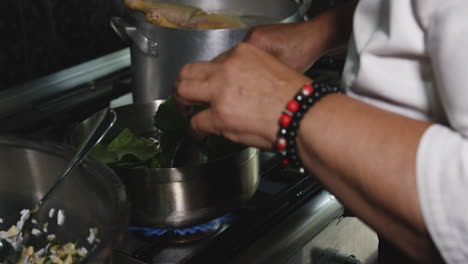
[(291, 116)]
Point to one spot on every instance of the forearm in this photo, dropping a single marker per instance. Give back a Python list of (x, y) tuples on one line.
[(334, 27), (368, 156)]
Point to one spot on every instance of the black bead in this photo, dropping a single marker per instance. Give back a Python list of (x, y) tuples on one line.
[(305, 102)]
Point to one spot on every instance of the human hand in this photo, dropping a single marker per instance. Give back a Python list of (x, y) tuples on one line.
[(297, 45), (245, 89), (300, 44)]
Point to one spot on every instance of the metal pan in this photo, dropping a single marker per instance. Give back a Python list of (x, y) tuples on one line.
[(184, 196), (93, 195)]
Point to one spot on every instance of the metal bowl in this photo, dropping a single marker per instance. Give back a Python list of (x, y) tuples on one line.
[(93, 196), (183, 196)]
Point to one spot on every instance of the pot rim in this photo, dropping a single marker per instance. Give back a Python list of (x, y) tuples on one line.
[(193, 172), (139, 19)]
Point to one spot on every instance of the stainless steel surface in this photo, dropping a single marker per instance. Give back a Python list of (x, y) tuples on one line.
[(180, 197), (337, 242), (93, 197), (185, 196), (120, 258), (105, 119), (26, 96), (157, 53), (299, 228), (128, 32)]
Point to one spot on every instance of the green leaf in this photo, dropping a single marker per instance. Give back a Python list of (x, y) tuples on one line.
[(168, 119), (155, 164), (101, 153), (130, 150), (127, 143)]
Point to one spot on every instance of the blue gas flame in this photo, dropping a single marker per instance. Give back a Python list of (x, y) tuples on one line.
[(210, 226)]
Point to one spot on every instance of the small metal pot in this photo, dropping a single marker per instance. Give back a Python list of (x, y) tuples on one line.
[(185, 196), (157, 53), (93, 195)]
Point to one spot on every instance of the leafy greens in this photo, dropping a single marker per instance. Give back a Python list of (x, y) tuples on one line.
[(130, 150)]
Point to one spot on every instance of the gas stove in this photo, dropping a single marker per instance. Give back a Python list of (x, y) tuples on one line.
[(287, 210)]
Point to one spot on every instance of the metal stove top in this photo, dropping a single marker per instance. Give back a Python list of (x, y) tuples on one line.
[(287, 211)]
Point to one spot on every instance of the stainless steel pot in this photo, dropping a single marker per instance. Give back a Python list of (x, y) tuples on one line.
[(93, 196), (157, 53), (185, 196)]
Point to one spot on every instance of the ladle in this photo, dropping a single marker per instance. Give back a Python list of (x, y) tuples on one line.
[(106, 118)]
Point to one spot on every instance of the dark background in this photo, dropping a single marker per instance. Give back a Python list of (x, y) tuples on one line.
[(39, 37)]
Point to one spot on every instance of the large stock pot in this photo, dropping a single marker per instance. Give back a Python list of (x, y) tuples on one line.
[(157, 53), (180, 196)]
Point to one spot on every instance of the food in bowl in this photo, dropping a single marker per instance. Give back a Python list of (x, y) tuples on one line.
[(183, 16), (54, 251), (93, 196)]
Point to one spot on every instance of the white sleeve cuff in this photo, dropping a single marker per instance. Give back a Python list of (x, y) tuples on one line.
[(442, 177)]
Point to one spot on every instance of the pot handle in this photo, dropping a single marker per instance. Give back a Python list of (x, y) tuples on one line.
[(129, 33)]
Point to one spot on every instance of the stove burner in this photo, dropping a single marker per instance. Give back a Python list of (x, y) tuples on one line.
[(184, 235), (197, 233)]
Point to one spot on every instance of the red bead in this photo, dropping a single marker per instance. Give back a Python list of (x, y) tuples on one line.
[(285, 120), (307, 89), (285, 162), (281, 144), (293, 106)]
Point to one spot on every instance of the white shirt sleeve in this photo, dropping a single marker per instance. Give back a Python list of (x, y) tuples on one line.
[(411, 58), (442, 161), (442, 170)]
